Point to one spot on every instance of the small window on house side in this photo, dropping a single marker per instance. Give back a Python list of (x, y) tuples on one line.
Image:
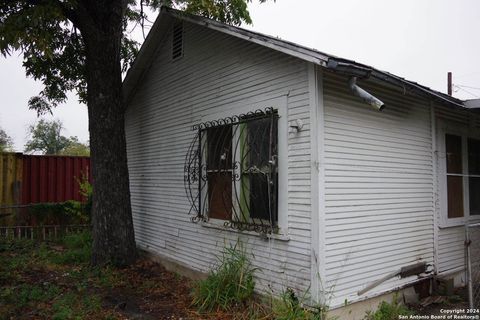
[(177, 41), (453, 146), (463, 175)]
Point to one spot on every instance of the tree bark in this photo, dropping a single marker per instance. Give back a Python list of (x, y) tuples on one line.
[(113, 233)]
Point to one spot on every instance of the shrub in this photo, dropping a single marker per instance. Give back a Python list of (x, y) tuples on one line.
[(229, 285), (86, 190), (62, 213), (68, 212), (78, 212)]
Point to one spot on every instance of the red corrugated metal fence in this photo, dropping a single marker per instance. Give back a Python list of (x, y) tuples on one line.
[(48, 179)]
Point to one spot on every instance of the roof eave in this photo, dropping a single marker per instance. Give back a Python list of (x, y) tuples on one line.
[(289, 48), (147, 50), (352, 68)]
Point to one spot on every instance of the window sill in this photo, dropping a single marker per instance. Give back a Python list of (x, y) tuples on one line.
[(458, 222), (275, 236)]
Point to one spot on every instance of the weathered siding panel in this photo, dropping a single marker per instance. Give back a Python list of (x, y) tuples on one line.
[(216, 72), (451, 249), (379, 188)]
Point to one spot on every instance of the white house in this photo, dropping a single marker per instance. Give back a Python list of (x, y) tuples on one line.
[(235, 135)]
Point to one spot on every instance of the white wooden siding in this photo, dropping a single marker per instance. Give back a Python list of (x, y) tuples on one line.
[(451, 250), (378, 188), (216, 72)]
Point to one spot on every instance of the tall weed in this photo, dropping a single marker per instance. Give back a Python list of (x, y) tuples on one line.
[(229, 285)]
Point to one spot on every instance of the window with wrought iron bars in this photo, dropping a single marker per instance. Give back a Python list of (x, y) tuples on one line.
[(231, 171)]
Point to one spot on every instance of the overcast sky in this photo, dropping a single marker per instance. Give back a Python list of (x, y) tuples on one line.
[(420, 40)]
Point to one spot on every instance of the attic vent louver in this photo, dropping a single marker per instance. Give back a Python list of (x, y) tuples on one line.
[(177, 41)]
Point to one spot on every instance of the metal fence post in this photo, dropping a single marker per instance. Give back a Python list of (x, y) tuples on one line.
[(472, 244)]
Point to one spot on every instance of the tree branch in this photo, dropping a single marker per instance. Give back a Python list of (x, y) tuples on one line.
[(78, 15)]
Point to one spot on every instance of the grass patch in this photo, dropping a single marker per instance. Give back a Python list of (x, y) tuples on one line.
[(229, 285), (388, 311), (71, 306), (54, 280), (50, 280), (78, 249), (291, 307)]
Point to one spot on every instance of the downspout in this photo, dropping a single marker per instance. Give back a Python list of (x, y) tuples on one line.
[(364, 95), (433, 132)]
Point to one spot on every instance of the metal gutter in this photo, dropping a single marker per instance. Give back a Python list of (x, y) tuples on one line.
[(472, 104), (352, 68), (419, 89)]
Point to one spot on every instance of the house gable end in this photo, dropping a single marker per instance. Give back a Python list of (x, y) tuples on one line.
[(217, 76)]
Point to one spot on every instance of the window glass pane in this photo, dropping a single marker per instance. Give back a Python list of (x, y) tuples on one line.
[(262, 145), (220, 195), (453, 146), (219, 175), (474, 156), (259, 141), (259, 152), (219, 153), (455, 196), (259, 202), (474, 194)]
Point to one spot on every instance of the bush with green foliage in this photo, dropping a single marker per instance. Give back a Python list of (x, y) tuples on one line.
[(230, 284), (388, 311), (63, 213), (86, 190)]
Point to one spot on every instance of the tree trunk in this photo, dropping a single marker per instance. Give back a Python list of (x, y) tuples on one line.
[(113, 234)]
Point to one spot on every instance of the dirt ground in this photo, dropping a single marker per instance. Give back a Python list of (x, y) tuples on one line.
[(434, 304), (165, 295), (53, 281)]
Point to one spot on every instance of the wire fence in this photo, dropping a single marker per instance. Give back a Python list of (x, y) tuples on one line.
[(42, 233), (472, 234)]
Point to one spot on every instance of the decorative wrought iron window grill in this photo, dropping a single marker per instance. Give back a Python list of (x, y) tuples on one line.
[(231, 171)]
